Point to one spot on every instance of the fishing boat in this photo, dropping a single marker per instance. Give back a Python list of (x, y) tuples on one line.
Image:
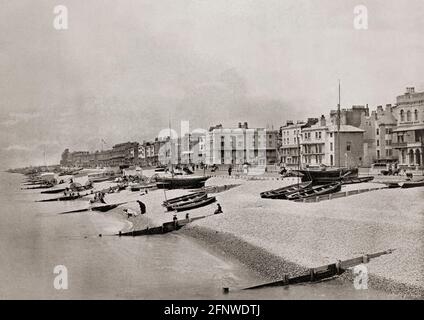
[(106, 207), (353, 180), (281, 193), (314, 191), (327, 175), (182, 198), (55, 190), (193, 204), (63, 198), (189, 200), (181, 182), (41, 186), (215, 189), (101, 176), (412, 184)]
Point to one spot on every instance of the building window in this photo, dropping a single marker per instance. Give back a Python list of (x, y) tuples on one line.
[(348, 146), (408, 116), (331, 146), (378, 131), (378, 143), (402, 115), (416, 114), (331, 134), (378, 154)]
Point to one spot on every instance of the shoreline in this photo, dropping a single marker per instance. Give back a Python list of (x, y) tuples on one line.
[(274, 237), (271, 267)]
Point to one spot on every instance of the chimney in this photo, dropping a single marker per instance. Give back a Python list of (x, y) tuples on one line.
[(239, 125), (289, 122), (379, 108), (388, 107), (322, 121), (245, 125), (410, 90)]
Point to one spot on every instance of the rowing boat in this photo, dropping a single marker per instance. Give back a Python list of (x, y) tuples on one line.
[(182, 198), (412, 184), (315, 191), (352, 180), (193, 204), (281, 193), (183, 182), (106, 207), (63, 198), (197, 199)]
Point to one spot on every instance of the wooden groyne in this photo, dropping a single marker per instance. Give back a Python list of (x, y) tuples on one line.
[(164, 228)]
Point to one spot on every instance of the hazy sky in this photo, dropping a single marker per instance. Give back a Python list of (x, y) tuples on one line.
[(124, 68)]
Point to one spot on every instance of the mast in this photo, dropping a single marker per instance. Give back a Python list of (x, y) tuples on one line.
[(338, 129), (170, 144)]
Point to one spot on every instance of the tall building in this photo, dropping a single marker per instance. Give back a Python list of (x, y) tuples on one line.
[(328, 145), (236, 146), (409, 134), (290, 135), (378, 136), (123, 154)]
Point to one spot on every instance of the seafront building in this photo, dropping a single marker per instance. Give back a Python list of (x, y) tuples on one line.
[(328, 145), (409, 133), (123, 154), (290, 141), (351, 137), (241, 145), (378, 136)]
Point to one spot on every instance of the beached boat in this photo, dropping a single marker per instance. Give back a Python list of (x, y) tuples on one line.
[(41, 186), (327, 175), (412, 184), (181, 182), (314, 191), (353, 180), (106, 207), (184, 200), (215, 189), (101, 176), (55, 190), (193, 204), (63, 198), (281, 193)]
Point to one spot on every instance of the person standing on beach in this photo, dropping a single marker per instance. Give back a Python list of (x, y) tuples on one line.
[(230, 169), (142, 207)]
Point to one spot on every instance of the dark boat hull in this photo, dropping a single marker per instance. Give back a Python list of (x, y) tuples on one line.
[(412, 184), (327, 176), (194, 204), (52, 191), (181, 183), (357, 180), (315, 191), (281, 193)]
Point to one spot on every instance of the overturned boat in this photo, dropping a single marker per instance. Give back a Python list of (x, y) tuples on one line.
[(181, 182), (281, 193), (314, 191), (327, 175)]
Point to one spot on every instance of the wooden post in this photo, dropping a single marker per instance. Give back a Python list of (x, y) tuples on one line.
[(312, 274), (286, 279)]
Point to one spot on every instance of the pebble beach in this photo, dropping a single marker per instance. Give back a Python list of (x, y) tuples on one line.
[(276, 237)]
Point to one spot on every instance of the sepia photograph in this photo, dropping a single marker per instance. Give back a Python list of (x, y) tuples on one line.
[(212, 150)]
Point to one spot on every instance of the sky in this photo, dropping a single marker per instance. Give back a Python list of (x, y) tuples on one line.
[(124, 69)]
